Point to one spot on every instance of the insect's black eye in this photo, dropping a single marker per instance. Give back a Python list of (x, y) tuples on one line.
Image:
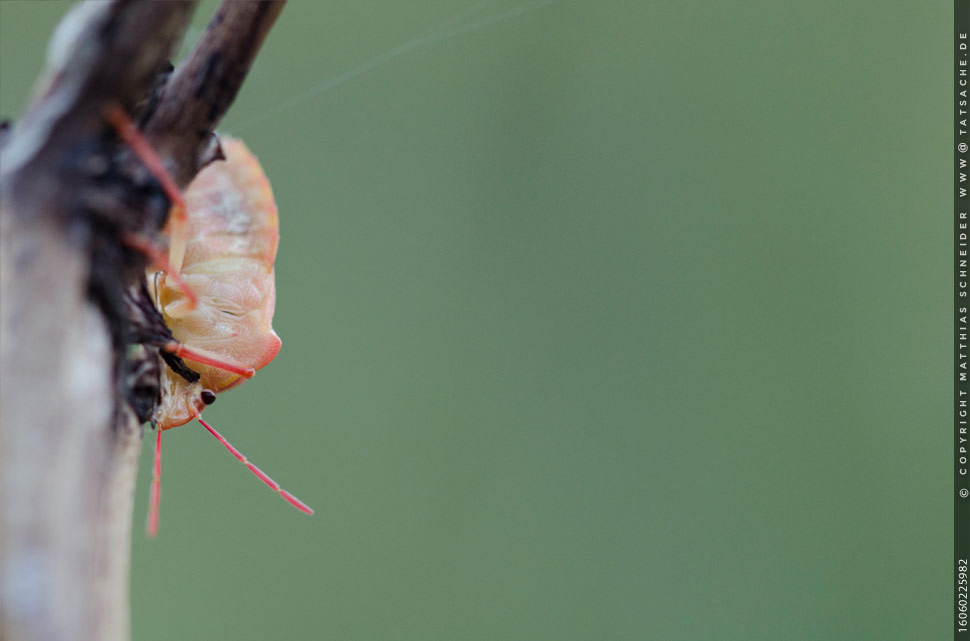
[(208, 397)]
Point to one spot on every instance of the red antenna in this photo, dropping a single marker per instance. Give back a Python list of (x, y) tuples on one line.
[(156, 496), (289, 498), (156, 491)]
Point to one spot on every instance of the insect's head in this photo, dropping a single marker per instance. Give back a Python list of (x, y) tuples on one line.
[(182, 401)]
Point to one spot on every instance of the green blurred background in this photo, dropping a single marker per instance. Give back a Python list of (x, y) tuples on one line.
[(600, 320)]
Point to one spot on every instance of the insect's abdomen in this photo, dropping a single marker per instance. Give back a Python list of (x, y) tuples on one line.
[(233, 232)]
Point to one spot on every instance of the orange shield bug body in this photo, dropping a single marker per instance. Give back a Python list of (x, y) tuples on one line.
[(215, 292), (232, 232)]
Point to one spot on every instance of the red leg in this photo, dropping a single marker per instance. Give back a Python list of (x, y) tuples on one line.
[(289, 498), (157, 256), (197, 355), (126, 129)]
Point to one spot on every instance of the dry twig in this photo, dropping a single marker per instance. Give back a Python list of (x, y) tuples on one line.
[(68, 441)]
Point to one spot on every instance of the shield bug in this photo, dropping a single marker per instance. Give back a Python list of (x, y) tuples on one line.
[(215, 289)]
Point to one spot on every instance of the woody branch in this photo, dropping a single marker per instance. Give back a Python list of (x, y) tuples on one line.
[(68, 443)]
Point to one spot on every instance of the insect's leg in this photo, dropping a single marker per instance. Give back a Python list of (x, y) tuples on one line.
[(127, 131), (147, 246), (199, 355), (289, 498), (156, 493)]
